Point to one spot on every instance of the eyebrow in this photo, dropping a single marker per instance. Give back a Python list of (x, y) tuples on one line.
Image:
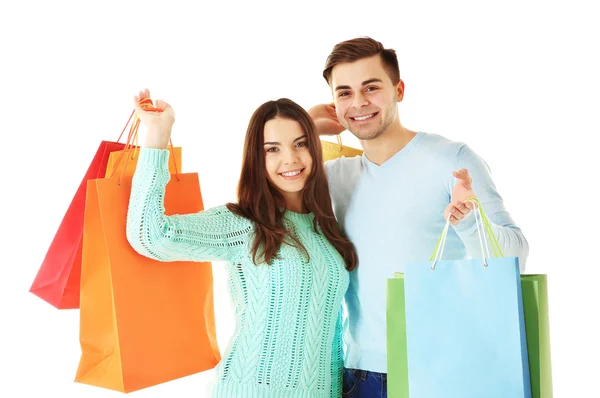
[(278, 143), (363, 84)]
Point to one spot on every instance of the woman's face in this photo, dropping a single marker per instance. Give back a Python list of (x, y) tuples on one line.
[(287, 157)]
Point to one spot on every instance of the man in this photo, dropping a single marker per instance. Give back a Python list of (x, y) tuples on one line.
[(393, 202)]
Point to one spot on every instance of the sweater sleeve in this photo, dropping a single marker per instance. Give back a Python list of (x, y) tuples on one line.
[(510, 238), (210, 235)]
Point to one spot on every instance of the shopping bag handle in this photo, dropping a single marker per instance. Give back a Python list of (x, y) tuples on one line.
[(125, 127), (483, 226), (146, 104), (339, 140)]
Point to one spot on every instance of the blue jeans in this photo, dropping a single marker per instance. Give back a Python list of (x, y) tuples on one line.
[(364, 384)]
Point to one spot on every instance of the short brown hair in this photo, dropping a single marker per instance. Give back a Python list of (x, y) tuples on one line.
[(359, 48)]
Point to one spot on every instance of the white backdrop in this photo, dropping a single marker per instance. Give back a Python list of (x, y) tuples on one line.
[(517, 80)]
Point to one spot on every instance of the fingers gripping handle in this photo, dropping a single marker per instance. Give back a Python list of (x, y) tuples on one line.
[(483, 226), (147, 105)]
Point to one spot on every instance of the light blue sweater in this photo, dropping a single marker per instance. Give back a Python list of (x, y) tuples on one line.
[(394, 214)]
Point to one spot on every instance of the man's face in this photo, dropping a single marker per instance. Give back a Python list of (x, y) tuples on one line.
[(365, 97)]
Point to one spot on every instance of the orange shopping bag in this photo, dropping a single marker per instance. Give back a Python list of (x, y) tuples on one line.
[(142, 322), (124, 162), (117, 165)]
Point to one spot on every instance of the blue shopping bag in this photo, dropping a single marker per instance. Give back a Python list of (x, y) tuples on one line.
[(465, 327)]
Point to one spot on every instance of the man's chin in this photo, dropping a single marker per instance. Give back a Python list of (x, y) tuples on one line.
[(365, 136)]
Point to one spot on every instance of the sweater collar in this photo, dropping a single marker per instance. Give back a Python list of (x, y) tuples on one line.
[(299, 218)]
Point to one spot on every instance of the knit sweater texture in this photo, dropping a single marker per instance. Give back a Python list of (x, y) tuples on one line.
[(287, 339)]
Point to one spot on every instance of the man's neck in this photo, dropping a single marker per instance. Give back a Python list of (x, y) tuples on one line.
[(392, 141)]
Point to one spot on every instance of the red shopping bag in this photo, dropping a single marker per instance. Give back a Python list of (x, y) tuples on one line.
[(57, 281)]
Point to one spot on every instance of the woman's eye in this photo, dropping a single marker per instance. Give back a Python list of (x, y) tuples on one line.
[(302, 144), (273, 149)]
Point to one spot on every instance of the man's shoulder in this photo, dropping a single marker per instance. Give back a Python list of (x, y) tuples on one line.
[(441, 145), (343, 165)]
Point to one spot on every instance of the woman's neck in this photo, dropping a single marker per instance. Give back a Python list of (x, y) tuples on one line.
[(294, 202)]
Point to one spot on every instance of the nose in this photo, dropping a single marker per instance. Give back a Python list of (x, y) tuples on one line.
[(359, 100), (290, 156)]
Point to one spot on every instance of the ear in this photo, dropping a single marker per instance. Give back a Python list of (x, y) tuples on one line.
[(400, 90)]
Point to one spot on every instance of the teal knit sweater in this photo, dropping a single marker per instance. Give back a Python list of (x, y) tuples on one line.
[(287, 339)]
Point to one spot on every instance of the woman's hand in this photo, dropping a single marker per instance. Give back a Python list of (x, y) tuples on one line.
[(159, 122)]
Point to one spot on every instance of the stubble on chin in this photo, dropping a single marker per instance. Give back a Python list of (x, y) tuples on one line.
[(370, 135)]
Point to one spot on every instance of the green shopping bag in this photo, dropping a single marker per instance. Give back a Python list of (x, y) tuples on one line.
[(537, 327), (397, 365)]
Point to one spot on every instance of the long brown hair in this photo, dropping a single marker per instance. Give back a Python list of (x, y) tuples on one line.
[(359, 48), (264, 205)]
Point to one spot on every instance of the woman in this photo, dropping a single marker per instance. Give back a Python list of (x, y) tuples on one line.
[(286, 260)]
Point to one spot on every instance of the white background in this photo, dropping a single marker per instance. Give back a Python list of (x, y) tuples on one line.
[(517, 80)]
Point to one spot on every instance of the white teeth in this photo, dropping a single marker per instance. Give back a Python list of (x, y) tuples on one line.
[(291, 173), (361, 118)]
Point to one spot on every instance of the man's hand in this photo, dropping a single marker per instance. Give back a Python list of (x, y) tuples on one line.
[(325, 119), (459, 208)]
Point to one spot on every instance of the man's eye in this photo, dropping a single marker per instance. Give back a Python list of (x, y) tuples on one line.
[(371, 88), (344, 94)]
